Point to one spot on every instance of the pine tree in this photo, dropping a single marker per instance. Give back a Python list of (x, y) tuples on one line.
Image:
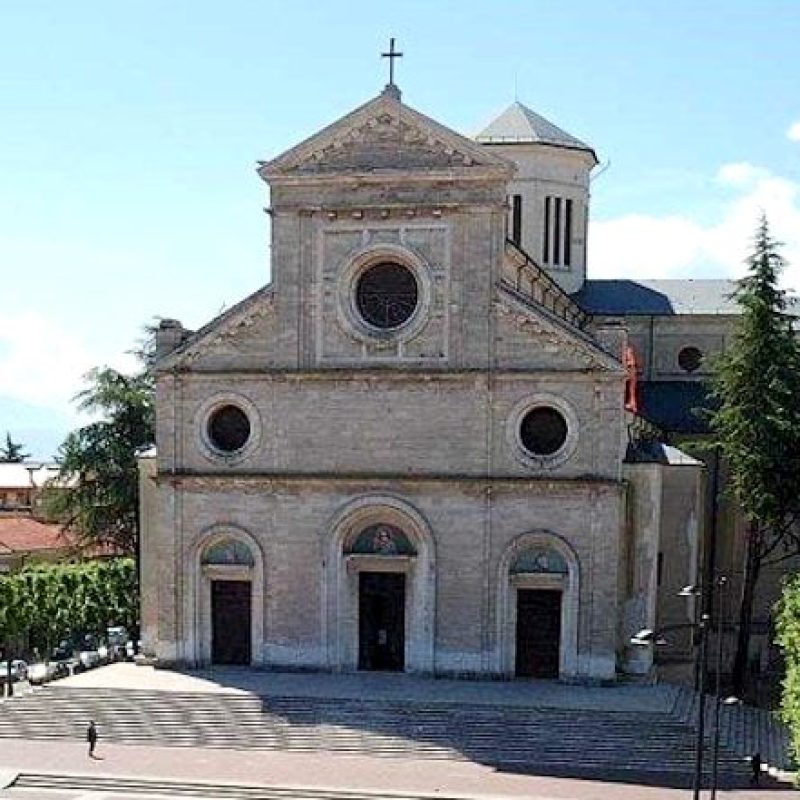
[(757, 425), (13, 452), (96, 494)]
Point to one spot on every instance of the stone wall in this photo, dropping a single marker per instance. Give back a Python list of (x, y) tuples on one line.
[(471, 523), (388, 422)]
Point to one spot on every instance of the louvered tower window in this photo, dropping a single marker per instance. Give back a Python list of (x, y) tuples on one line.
[(515, 228), (557, 240)]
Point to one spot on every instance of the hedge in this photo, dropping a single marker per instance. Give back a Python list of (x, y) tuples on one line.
[(41, 605)]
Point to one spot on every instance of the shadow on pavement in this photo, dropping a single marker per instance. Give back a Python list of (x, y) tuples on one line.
[(388, 717), (650, 778)]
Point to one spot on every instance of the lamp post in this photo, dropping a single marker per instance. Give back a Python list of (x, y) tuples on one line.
[(700, 629), (721, 583), (702, 659), (649, 637)]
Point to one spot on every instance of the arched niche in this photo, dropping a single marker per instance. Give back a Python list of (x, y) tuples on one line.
[(538, 559), (353, 537)]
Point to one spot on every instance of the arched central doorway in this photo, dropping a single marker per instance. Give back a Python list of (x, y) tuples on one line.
[(381, 553), (538, 591), (380, 588)]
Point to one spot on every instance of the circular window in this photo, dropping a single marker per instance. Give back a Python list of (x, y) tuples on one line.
[(386, 295), (690, 358), (228, 429), (543, 431)]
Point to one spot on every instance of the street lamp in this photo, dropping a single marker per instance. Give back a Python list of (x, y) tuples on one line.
[(701, 628), (721, 583), (650, 637), (647, 637)]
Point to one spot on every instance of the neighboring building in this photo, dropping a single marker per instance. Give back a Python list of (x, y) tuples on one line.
[(21, 484), (26, 536), (25, 540), (411, 451)]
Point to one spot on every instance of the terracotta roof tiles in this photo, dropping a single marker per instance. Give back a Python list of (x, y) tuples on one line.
[(25, 534)]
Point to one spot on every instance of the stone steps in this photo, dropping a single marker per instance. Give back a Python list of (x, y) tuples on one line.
[(134, 786), (497, 735), (744, 729)]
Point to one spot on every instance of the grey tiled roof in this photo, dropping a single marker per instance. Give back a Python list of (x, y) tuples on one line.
[(658, 297), (518, 125)]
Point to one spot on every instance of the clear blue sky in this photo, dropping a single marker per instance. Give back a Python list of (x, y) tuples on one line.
[(130, 133)]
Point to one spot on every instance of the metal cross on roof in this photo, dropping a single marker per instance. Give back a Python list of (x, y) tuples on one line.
[(391, 55)]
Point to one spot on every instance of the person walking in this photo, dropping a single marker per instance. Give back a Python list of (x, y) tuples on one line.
[(755, 767), (91, 737)]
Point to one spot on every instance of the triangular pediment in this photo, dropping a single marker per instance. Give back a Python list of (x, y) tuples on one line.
[(551, 339), (385, 135), (240, 337)]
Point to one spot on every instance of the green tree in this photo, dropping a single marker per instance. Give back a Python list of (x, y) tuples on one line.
[(96, 494), (13, 452), (757, 425)]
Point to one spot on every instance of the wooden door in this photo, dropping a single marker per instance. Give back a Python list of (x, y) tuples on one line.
[(538, 633), (230, 622), (381, 621)]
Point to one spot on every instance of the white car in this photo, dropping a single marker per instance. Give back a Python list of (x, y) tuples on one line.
[(19, 670), (41, 672), (89, 659)]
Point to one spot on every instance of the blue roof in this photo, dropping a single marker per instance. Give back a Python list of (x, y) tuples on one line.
[(657, 297), (675, 406)]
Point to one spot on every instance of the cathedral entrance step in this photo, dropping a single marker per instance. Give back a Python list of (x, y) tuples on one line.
[(504, 737)]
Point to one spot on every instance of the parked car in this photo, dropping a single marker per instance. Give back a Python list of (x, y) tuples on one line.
[(118, 640), (43, 671), (64, 656), (19, 670), (88, 652)]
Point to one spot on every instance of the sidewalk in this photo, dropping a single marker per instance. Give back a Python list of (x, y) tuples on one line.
[(326, 771)]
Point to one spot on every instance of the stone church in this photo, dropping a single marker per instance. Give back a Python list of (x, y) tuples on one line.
[(413, 450)]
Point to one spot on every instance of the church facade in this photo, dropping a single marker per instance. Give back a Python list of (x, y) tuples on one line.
[(410, 451)]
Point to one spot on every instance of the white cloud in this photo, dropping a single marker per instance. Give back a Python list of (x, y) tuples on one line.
[(740, 173), (674, 246), (42, 363), (794, 131)]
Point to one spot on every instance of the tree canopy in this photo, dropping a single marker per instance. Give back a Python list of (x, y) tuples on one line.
[(98, 489)]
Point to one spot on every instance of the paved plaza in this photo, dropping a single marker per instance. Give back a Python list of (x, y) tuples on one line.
[(59, 769)]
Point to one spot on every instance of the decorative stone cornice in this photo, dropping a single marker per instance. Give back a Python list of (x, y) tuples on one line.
[(253, 482)]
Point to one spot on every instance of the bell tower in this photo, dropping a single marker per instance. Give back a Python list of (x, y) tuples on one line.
[(548, 198)]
